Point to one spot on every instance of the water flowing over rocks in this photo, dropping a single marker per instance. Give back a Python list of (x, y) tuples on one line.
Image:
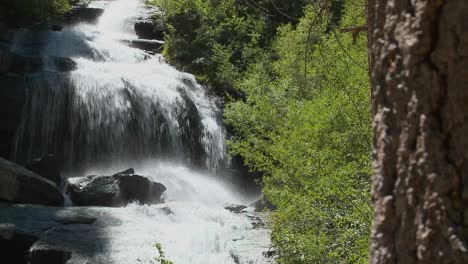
[(95, 93)]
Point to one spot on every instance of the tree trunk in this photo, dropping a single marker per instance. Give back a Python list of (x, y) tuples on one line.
[(419, 79)]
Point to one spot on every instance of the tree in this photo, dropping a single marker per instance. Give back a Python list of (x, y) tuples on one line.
[(418, 76)]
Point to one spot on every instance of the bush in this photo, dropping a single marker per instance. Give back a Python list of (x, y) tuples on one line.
[(26, 12)]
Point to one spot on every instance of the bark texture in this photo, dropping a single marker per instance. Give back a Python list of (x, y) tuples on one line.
[(419, 76)]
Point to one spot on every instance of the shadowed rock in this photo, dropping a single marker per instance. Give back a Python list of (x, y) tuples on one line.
[(19, 185), (146, 44), (150, 29), (15, 244), (18, 64), (83, 14)]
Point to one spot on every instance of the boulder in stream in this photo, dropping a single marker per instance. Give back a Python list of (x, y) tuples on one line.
[(114, 191), (20, 185)]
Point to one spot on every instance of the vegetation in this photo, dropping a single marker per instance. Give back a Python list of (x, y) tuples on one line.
[(18, 12), (161, 258), (301, 115)]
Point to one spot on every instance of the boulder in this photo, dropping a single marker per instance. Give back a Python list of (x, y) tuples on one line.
[(47, 167), (127, 171), (19, 185), (94, 191), (146, 44), (18, 64), (14, 63), (15, 244), (150, 29), (48, 255), (62, 64), (83, 14), (113, 191), (235, 208)]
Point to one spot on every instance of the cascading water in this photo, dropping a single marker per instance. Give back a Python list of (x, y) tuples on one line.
[(122, 107), (119, 103)]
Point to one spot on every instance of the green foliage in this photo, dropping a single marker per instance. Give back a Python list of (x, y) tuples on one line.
[(217, 40), (17, 12), (305, 123), (304, 117), (161, 258)]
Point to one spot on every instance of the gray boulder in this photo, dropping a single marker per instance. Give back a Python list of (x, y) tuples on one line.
[(114, 191), (19, 185)]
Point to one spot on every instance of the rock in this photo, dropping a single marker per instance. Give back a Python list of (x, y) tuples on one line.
[(125, 172), (19, 185), (18, 64), (62, 64), (94, 191), (44, 255), (83, 14), (235, 208), (28, 234), (47, 167), (263, 204), (13, 63), (113, 191), (15, 244), (150, 29), (147, 44)]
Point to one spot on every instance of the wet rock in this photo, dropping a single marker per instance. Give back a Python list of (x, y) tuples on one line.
[(44, 255), (94, 191), (83, 14), (136, 188), (147, 44), (126, 172), (17, 64), (62, 64), (113, 191), (19, 185), (15, 244), (235, 208), (47, 167), (48, 235), (14, 63), (150, 29)]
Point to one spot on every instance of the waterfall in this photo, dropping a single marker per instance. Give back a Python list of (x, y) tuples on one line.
[(120, 103), (121, 107)]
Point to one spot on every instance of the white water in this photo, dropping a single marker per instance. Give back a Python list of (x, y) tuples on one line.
[(123, 102), (126, 107), (198, 230)]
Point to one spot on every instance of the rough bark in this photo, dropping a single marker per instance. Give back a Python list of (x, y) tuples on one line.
[(419, 78)]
